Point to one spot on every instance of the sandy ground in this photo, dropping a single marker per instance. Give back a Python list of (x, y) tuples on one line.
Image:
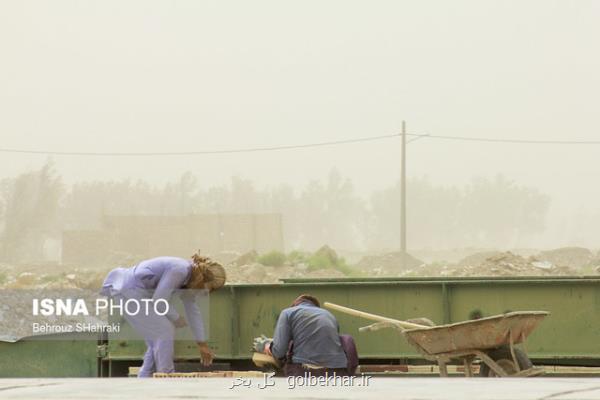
[(377, 388)]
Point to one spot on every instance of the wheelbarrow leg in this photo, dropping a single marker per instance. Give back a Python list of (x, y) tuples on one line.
[(467, 365), (443, 369)]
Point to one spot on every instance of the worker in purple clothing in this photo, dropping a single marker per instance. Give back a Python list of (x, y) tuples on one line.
[(158, 278)]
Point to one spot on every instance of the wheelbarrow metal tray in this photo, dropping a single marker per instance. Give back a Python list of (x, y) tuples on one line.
[(480, 334)]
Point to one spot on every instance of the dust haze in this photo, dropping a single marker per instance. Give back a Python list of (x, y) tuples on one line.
[(201, 76)]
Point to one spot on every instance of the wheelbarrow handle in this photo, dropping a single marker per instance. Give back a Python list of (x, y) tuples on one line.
[(373, 317), (379, 325)]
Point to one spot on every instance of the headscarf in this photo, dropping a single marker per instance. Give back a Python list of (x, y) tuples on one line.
[(206, 274)]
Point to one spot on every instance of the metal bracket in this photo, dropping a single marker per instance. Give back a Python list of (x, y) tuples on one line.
[(102, 351)]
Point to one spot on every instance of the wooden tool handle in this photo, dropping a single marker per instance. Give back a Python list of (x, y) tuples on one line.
[(373, 317)]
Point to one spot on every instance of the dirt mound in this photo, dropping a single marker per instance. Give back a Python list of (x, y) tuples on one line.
[(389, 263), (75, 278), (477, 258), (258, 273), (500, 264), (224, 257), (246, 258), (507, 263), (574, 257), (325, 263)]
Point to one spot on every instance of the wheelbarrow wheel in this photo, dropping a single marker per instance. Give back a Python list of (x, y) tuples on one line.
[(504, 359)]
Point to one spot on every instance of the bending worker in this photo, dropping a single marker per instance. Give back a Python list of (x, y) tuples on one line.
[(307, 339), (156, 279)]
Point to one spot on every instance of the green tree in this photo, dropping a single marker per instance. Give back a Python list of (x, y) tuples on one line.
[(31, 203), (499, 212)]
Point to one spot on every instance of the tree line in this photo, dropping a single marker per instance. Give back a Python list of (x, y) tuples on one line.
[(487, 212)]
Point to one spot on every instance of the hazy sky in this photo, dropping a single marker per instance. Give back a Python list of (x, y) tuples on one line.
[(207, 75)]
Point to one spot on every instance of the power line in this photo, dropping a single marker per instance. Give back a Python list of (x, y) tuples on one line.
[(493, 140), (298, 146), (416, 138), (201, 152)]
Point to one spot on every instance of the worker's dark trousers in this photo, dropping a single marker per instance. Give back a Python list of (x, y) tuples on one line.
[(293, 369)]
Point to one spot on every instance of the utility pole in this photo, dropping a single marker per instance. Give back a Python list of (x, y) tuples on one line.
[(403, 197)]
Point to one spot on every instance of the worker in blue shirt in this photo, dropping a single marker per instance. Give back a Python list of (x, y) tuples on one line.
[(158, 278), (310, 335)]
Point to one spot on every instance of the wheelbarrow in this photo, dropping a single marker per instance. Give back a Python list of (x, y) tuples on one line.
[(492, 340)]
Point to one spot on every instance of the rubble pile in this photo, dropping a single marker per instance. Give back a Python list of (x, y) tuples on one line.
[(245, 259), (321, 264), (498, 264), (258, 273), (477, 258), (389, 263), (575, 257), (12, 278), (509, 264), (325, 263)]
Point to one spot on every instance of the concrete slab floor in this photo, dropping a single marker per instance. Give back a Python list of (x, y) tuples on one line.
[(377, 388)]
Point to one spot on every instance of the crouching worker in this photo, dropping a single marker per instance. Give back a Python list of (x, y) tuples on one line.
[(307, 340), (157, 279)]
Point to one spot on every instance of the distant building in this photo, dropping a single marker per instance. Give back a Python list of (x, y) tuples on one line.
[(150, 236)]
